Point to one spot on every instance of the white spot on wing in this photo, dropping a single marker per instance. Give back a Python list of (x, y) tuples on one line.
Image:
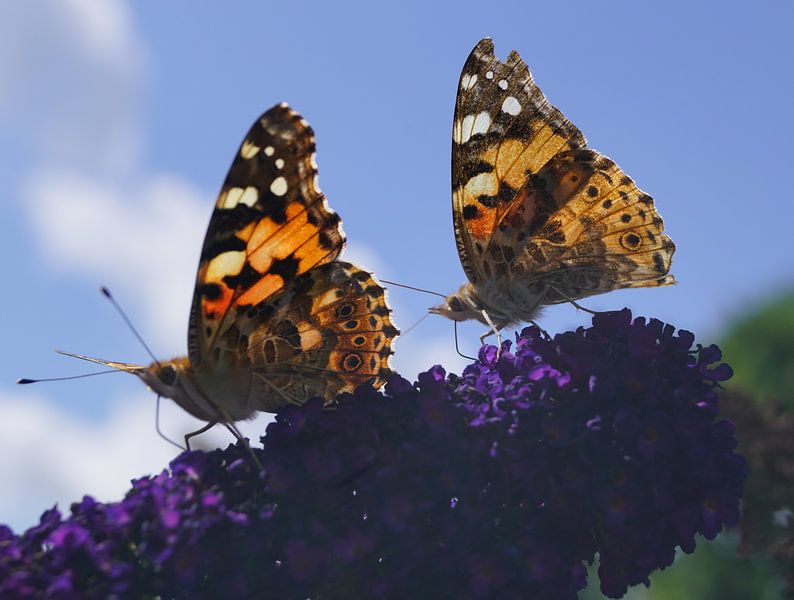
[(511, 106), (249, 197), (481, 123), (484, 184), (502, 84), (467, 81), (471, 125), (313, 160), (249, 150), (237, 195), (228, 199), (227, 263), (465, 128), (270, 151), (456, 132), (316, 184), (279, 163), (279, 186), (489, 75)]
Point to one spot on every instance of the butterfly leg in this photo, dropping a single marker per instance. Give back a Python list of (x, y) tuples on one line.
[(543, 332), (206, 427), (244, 441), (494, 330)]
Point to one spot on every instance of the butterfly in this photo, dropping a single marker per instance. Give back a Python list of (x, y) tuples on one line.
[(539, 217), (276, 319)]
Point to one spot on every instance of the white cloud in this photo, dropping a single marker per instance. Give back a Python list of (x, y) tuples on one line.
[(142, 242), (71, 75), (71, 457)]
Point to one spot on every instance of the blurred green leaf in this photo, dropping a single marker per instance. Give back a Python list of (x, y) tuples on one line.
[(760, 348)]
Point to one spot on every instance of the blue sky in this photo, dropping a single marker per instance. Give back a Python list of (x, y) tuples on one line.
[(118, 121)]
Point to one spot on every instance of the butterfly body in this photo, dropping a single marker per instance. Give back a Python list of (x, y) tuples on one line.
[(539, 217), (505, 303)]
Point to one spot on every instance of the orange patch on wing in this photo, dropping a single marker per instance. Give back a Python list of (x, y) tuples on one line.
[(262, 289), (513, 158), (482, 225), (310, 253), (286, 239), (214, 309), (263, 229), (246, 232)]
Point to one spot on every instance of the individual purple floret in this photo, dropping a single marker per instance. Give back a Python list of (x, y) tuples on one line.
[(504, 482)]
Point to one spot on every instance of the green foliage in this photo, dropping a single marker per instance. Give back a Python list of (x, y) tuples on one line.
[(714, 571), (760, 348)]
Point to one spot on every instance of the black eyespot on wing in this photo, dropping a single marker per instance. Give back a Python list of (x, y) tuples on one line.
[(350, 362), (345, 311)]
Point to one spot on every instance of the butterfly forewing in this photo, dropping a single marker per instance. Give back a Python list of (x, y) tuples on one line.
[(533, 207), (504, 131), (271, 223)]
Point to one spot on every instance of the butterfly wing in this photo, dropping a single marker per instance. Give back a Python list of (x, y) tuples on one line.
[(267, 277), (527, 192)]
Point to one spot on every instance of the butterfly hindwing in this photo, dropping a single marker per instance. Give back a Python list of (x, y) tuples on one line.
[(327, 332), (581, 227)]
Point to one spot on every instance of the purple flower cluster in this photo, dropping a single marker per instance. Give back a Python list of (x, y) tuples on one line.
[(504, 482)]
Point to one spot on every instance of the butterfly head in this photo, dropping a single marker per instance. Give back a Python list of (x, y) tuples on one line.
[(167, 378), (460, 306)]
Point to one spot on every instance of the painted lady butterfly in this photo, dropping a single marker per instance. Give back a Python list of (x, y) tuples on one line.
[(539, 217), (276, 319)]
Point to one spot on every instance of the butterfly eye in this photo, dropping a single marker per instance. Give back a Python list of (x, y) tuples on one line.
[(168, 375), (454, 304)]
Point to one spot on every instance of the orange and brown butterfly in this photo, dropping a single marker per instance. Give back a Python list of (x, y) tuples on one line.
[(276, 318), (539, 217)]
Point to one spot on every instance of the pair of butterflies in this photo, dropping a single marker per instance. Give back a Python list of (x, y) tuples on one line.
[(539, 219)]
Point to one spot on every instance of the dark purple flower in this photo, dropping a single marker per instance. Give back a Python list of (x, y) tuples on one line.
[(504, 482)]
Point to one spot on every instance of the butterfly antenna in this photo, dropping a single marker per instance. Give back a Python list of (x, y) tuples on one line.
[(457, 349), (422, 318), (109, 296), (160, 431), (25, 380), (410, 287)]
